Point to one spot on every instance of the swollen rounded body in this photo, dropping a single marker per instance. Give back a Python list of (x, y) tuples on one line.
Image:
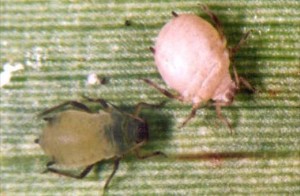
[(193, 59)]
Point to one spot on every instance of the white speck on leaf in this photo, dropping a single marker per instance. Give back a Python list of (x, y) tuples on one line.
[(8, 69), (93, 79), (4, 78)]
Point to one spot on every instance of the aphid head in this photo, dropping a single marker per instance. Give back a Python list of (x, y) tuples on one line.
[(142, 133)]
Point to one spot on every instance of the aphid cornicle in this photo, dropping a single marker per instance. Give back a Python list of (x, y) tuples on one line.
[(193, 58), (80, 138)]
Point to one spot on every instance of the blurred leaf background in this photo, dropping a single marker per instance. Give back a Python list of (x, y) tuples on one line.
[(60, 43)]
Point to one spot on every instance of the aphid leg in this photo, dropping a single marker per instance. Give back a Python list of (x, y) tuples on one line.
[(80, 176), (140, 105), (50, 163), (163, 91), (215, 20), (99, 100), (220, 116), (236, 76), (152, 50), (247, 84), (145, 156), (116, 166), (73, 103), (48, 119), (174, 14), (234, 50), (191, 115), (239, 79)]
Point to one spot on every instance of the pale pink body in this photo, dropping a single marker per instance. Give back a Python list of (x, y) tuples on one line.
[(192, 58)]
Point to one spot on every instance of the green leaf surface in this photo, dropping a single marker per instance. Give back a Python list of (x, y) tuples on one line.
[(60, 43)]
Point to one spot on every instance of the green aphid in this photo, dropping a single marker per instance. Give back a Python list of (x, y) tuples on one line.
[(80, 138)]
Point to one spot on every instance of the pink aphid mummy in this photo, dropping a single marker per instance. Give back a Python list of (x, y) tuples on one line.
[(193, 58)]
